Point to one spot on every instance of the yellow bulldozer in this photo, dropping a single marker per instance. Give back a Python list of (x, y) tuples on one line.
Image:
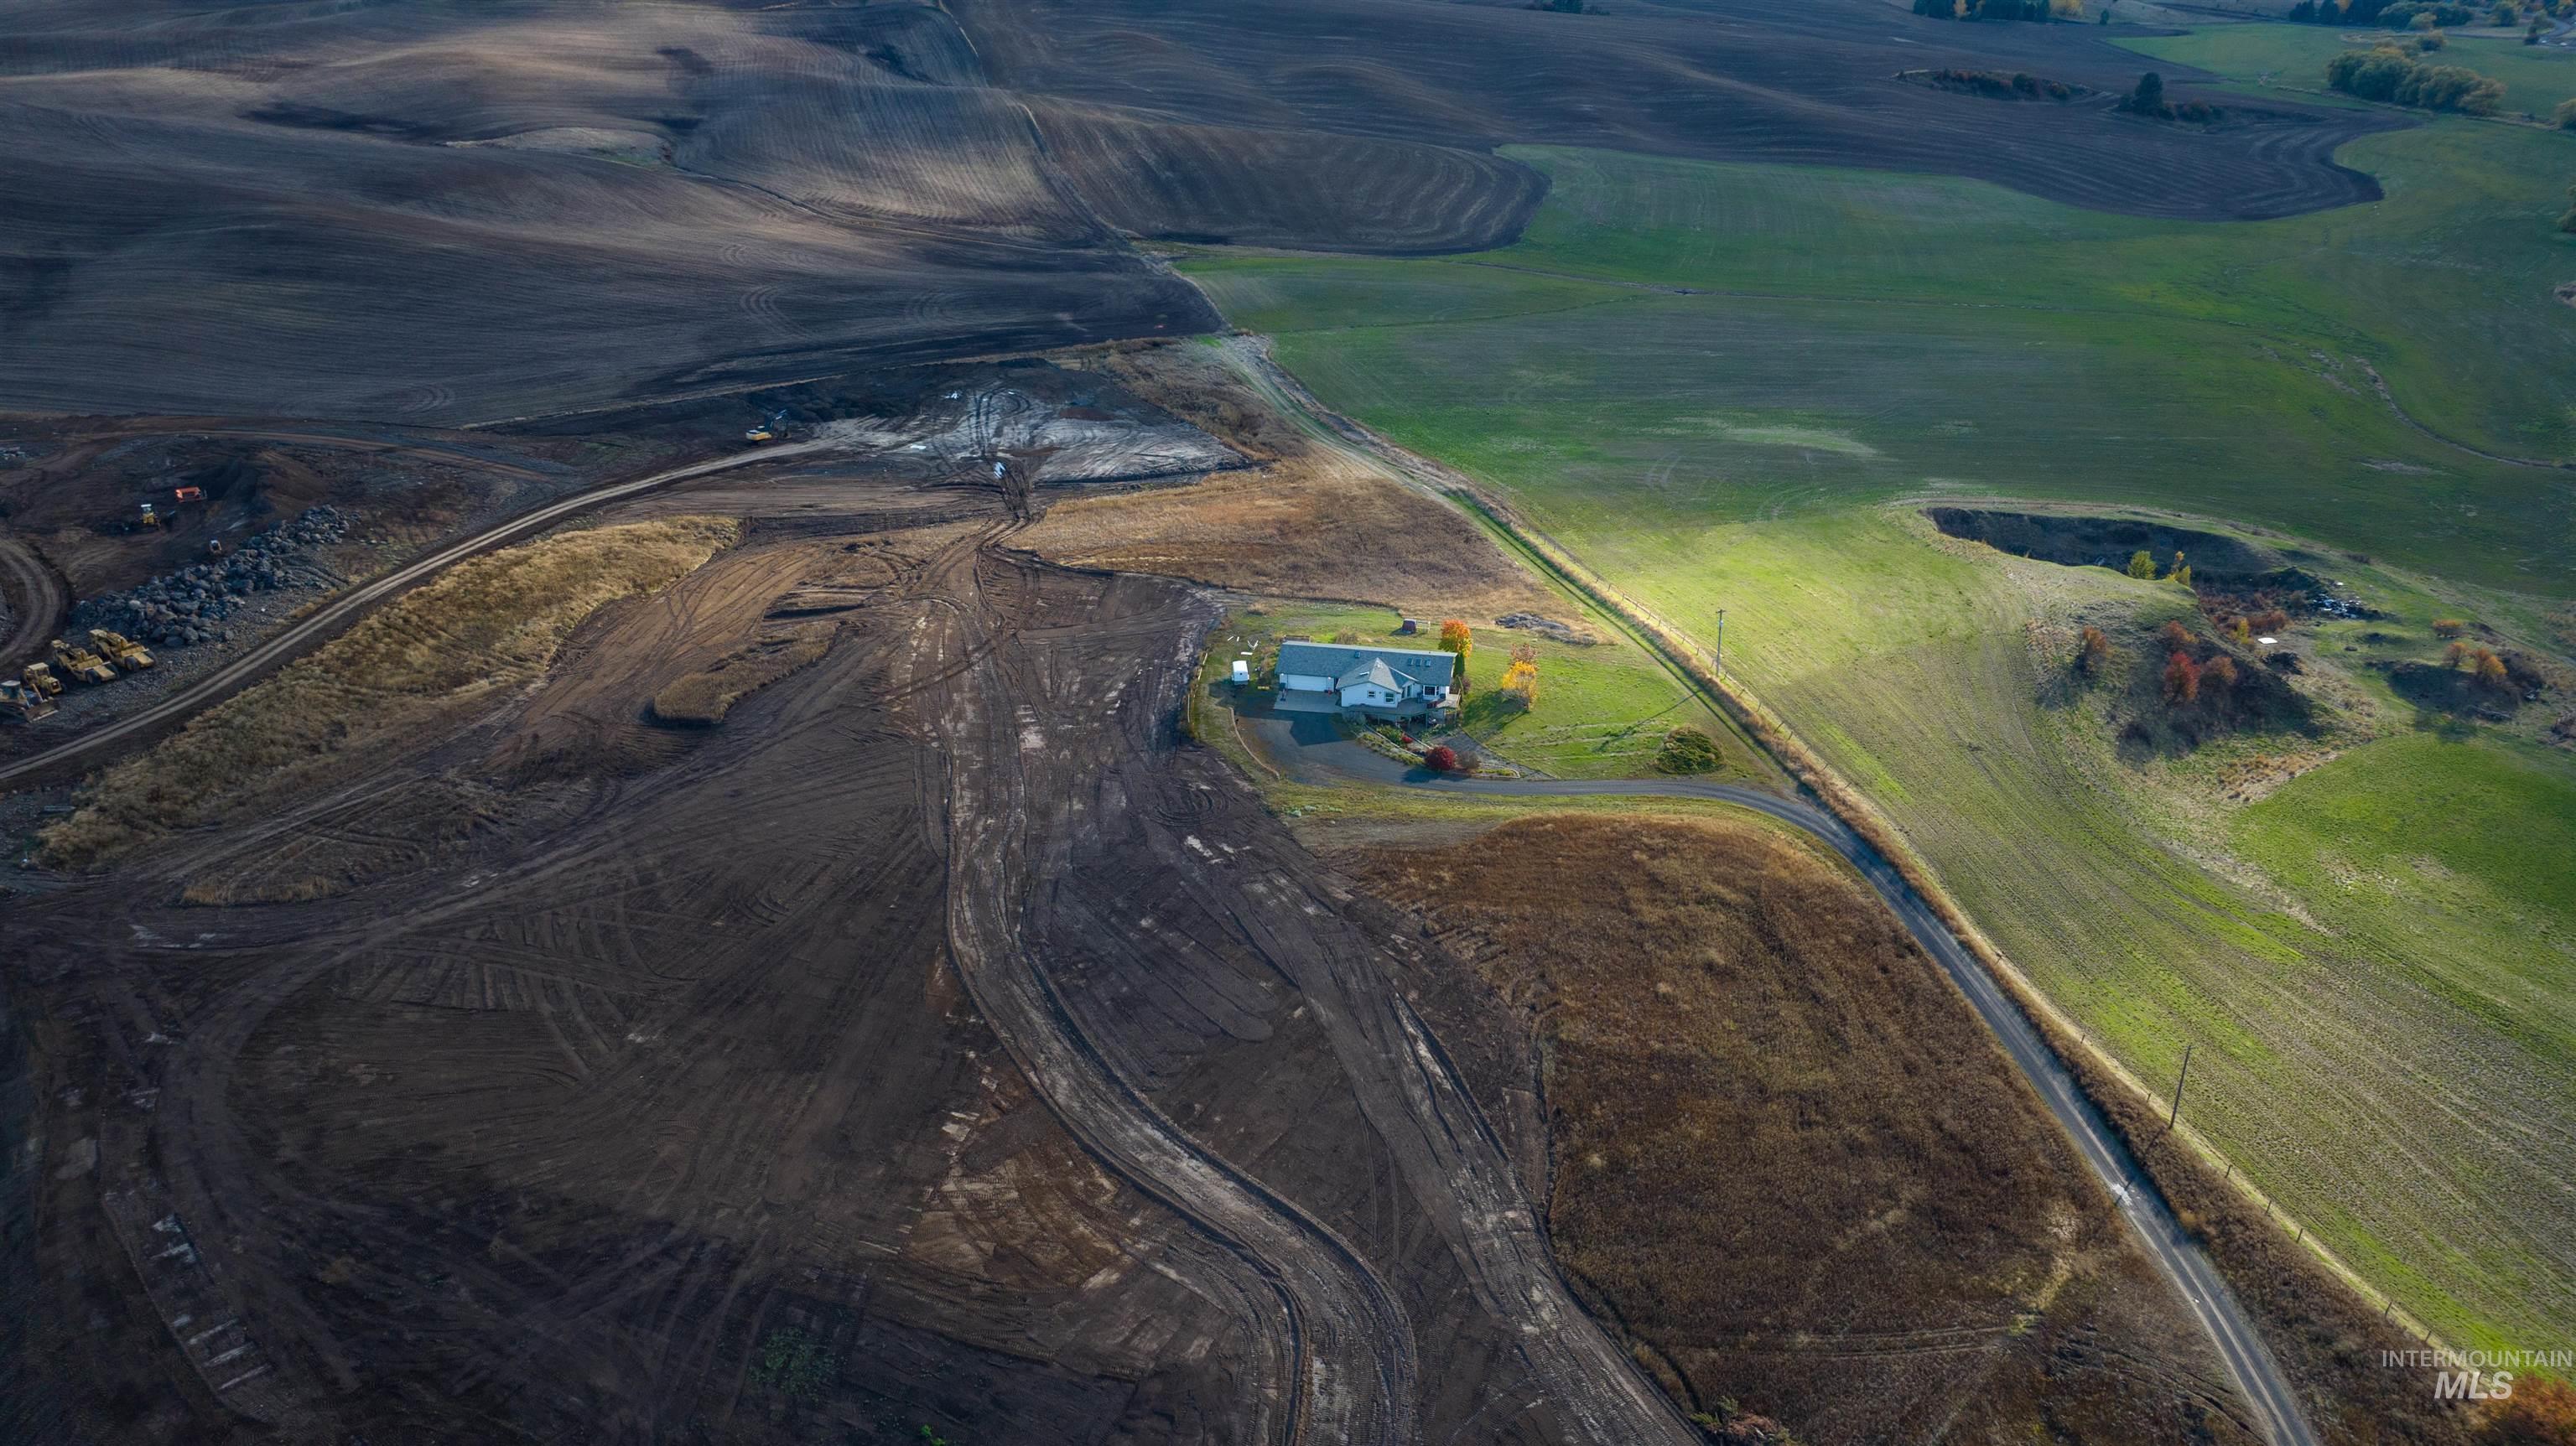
[(128, 655), (39, 679), (80, 664)]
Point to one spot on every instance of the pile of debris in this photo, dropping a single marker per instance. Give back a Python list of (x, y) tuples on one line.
[(1546, 628), (189, 606)]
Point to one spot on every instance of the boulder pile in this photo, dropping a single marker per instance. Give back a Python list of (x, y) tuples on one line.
[(190, 605)]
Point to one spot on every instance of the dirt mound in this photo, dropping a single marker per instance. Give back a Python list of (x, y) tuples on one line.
[(701, 699), (2081, 541)]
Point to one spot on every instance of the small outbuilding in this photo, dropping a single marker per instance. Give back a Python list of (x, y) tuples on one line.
[(1365, 681)]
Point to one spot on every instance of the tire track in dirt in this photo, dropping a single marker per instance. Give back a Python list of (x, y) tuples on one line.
[(1346, 1361), (1039, 742), (36, 600)]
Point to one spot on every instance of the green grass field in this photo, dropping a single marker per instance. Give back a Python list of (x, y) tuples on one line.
[(2260, 57), (1710, 381), (1952, 333)]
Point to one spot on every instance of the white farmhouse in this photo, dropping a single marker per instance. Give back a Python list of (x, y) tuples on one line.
[(1373, 682)]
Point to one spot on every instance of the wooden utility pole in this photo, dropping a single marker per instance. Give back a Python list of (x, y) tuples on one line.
[(2179, 1081), (1721, 642)]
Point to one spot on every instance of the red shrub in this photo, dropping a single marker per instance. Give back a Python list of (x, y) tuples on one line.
[(1441, 759), (2182, 678)]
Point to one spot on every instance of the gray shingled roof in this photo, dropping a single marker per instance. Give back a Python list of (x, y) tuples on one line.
[(1370, 670), (1429, 667)]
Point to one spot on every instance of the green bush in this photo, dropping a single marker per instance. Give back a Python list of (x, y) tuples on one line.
[(795, 1361), (2388, 74), (1688, 750)]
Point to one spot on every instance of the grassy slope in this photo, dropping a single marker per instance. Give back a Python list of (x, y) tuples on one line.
[(2536, 78), (1890, 336), (1953, 331)]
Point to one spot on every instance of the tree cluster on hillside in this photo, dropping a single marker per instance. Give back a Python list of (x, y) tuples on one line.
[(2198, 673), (1995, 85), (2479, 663), (2148, 99), (2392, 14), (2386, 73), (2039, 10), (2565, 119)]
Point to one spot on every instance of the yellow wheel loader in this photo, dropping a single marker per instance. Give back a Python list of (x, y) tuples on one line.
[(40, 679)]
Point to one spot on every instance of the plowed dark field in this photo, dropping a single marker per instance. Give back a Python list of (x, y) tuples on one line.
[(1726, 79), (444, 214), (614, 1083)]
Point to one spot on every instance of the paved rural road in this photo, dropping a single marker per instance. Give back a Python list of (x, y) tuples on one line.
[(2258, 1377), (325, 620)]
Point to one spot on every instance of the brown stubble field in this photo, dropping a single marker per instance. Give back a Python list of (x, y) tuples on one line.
[(1784, 1155)]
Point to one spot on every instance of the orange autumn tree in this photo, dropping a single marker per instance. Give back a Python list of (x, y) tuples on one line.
[(1457, 638)]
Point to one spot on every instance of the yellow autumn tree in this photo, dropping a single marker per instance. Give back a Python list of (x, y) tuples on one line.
[(1520, 680)]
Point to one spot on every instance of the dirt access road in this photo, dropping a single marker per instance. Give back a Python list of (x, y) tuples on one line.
[(325, 621), (1053, 759), (2257, 1376), (35, 601)]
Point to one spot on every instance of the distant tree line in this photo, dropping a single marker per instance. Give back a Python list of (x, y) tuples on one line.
[(2389, 74), (1994, 85), (2389, 14), (2040, 10)]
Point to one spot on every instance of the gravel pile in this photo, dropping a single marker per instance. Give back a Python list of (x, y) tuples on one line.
[(190, 605)]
